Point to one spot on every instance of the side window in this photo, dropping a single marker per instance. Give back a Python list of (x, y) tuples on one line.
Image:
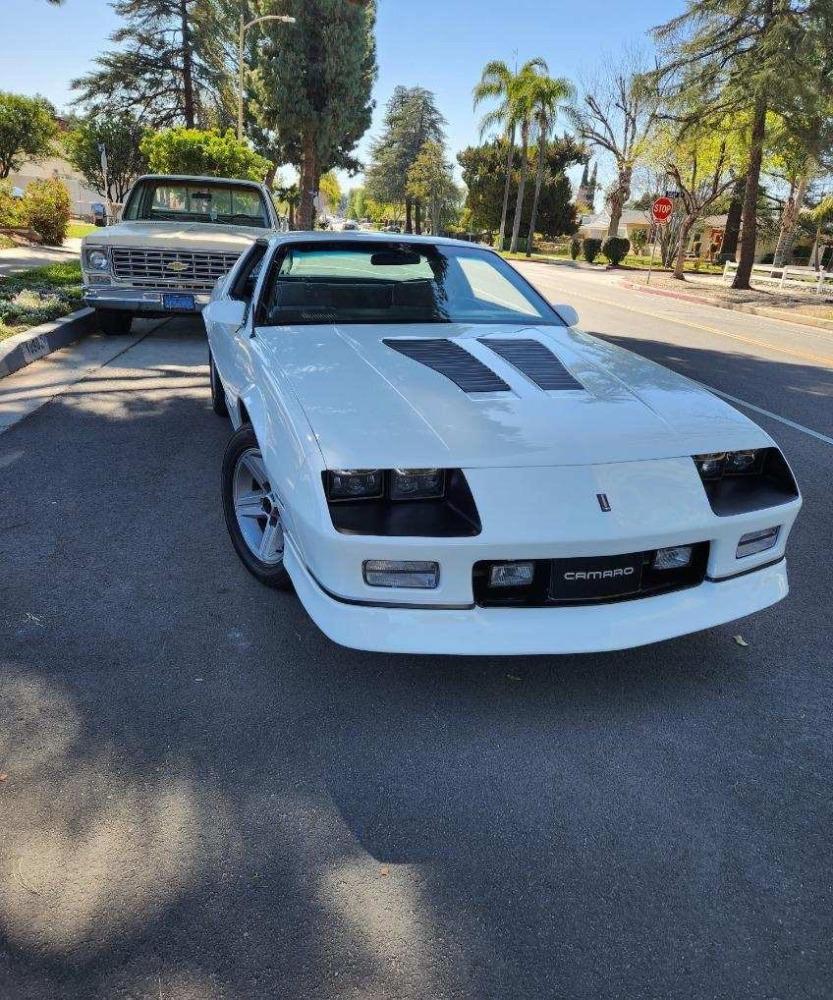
[(246, 280), (488, 285)]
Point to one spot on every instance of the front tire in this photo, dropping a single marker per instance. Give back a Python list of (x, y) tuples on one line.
[(113, 322), (218, 393), (252, 512)]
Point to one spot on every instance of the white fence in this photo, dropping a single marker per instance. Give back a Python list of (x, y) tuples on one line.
[(803, 279)]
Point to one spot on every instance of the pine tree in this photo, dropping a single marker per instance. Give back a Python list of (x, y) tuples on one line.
[(170, 67), (311, 86), (412, 119)]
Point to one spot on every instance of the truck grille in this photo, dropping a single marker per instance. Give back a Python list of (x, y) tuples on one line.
[(170, 268)]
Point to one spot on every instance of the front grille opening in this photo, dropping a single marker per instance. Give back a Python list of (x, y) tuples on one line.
[(538, 594)]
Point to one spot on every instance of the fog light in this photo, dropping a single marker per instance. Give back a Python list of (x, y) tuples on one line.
[(675, 557), (514, 574), (400, 573), (757, 541)]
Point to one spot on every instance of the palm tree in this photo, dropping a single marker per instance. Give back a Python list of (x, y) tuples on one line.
[(525, 91), (498, 82), (550, 92)]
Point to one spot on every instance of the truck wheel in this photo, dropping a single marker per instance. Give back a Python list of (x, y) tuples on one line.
[(113, 322)]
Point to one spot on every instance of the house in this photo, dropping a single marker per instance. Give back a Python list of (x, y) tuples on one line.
[(633, 220)]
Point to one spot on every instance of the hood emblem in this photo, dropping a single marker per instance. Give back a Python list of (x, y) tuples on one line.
[(177, 266)]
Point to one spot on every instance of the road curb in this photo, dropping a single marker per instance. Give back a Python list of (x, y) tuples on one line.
[(21, 350), (768, 312)]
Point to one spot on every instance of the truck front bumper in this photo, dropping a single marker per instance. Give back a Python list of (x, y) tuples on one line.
[(140, 300)]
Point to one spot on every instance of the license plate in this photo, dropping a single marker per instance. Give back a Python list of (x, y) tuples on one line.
[(596, 578), (177, 300)]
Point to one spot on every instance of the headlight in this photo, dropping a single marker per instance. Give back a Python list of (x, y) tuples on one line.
[(730, 463), (417, 484), (355, 484), (97, 260)]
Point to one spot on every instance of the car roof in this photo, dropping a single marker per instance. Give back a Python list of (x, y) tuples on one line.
[(362, 235)]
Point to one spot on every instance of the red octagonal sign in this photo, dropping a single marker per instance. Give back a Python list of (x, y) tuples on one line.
[(661, 210)]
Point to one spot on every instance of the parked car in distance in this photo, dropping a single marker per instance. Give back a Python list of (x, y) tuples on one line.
[(176, 237), (440, 462)]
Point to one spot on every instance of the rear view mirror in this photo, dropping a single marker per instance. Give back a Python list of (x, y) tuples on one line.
[(567, 314)]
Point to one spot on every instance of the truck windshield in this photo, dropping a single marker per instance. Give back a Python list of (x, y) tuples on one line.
[(376, 281), (168, 200)]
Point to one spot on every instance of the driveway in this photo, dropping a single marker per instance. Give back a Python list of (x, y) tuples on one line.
[(205, 798)]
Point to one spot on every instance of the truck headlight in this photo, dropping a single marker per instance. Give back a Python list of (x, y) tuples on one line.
[(97, 260)]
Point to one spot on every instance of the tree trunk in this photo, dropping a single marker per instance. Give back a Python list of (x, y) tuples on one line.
[(290, 221), (409, 228), (308, 183), (620, 195), (418, 216), (510, 156), (685, 229), (187, 66), (750, 197), (729, 246), (789, 219), (539, 179), (519, 200)]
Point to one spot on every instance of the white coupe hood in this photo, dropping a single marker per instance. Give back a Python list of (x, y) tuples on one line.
[(370, 406)]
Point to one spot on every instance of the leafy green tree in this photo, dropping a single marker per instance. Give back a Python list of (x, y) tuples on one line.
[(819, 220), (548, 95), (27, 130), (311, 86), (743, 59), (499, 83), (411, 119), (484, 172), (170, 64), (201, 152), (356, 201), (616, 114), (121, 135), (330, 190), (431, 181)]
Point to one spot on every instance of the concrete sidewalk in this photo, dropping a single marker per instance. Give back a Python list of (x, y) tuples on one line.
[(22, 258)]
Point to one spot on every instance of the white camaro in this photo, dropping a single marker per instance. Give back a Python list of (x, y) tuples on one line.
[(439, 462)]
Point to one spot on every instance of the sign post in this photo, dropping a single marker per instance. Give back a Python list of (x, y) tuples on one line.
[(660, 214)]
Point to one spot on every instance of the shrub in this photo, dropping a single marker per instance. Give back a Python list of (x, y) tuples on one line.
[(591, 248), (616, 248), (47, 208), (12, 214), (575, 247)]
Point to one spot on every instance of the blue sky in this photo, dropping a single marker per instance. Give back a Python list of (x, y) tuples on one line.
[(438, 44)]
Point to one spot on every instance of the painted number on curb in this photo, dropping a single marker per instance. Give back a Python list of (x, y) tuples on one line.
[(35, 348)]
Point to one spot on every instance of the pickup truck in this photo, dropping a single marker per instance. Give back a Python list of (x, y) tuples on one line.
[(176, 237)]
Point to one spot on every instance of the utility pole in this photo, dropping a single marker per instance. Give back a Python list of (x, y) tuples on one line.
[(241, 65)]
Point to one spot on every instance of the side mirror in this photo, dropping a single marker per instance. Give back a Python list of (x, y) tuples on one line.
[(567, 313), (228, 313)]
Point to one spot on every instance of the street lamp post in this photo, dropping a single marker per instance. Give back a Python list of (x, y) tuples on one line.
[(244, 27)]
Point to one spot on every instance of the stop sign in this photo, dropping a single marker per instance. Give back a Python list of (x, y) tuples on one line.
[(661, 210)]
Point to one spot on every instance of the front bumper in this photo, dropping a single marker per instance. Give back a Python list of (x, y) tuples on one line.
[(140, 300), (523, 631)]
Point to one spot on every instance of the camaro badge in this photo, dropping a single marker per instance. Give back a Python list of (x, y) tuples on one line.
[(604, 503), (177, 265)]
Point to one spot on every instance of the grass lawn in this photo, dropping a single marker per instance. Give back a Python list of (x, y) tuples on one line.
[(39, 295), (79, 229)]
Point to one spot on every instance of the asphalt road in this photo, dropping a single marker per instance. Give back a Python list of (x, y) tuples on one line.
[(205, 798)]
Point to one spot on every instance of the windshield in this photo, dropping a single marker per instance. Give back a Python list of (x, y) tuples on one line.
[(190, 201), (390, 282)]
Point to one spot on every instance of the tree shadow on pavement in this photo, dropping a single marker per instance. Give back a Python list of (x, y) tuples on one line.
[(206, 798)]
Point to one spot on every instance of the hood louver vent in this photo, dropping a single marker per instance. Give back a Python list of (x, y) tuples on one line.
[(451, 360), (534, 360)]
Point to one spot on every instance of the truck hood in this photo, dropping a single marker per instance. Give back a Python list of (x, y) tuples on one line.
[(176, 236), (369, 406)]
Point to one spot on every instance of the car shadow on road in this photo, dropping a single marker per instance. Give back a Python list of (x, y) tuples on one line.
[(207, 798)]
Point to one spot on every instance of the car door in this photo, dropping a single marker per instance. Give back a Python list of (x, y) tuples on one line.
[(228, 321)]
